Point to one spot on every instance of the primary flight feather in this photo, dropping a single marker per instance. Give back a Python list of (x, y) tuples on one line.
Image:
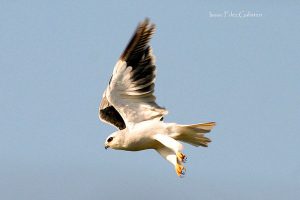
[(129, 104)]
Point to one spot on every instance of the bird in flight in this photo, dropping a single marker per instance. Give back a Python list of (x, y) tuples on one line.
[(129, 103)]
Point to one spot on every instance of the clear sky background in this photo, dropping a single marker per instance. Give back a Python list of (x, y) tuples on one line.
[(56, 58)]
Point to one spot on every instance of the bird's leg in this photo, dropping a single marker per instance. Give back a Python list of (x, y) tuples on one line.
[(179, 168), (181, 157)]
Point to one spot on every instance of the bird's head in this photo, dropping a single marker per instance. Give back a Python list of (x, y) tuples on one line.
[(115, 140)]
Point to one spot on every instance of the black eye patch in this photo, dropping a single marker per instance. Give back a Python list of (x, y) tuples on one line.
[(110, 139)]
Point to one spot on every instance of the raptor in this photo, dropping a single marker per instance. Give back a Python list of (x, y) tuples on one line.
[(129, 104)]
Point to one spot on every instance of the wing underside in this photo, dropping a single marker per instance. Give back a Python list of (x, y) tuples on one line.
[(129, 96)]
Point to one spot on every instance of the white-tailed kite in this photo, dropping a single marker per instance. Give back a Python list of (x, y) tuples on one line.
[(129, 104)]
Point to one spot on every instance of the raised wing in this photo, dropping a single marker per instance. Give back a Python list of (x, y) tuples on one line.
[(129, 97)]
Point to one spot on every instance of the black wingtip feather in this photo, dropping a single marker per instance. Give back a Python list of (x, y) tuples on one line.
[(138, 44), (111, 115)]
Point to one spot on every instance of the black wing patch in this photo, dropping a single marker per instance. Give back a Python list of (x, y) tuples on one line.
[(111, 115)]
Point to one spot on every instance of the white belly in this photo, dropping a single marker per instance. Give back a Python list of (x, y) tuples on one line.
[(141, 136)]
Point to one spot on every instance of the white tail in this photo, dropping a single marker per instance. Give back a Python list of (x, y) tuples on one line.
[(193, 134)]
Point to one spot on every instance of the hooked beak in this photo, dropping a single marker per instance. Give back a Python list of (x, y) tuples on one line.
[(106, 146)]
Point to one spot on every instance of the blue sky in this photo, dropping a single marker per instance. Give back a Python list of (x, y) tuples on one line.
[(56, 59)]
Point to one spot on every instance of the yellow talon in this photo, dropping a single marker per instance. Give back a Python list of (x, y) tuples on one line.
[(181, 157), (180, 170)]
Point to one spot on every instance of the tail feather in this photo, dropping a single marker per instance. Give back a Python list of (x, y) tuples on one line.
[(194, 133)]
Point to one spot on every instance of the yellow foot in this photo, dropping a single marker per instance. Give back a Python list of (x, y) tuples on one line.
[(181, 157), (180, 170)]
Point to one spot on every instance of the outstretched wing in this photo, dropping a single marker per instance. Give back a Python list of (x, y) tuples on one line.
[(129, 97)]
